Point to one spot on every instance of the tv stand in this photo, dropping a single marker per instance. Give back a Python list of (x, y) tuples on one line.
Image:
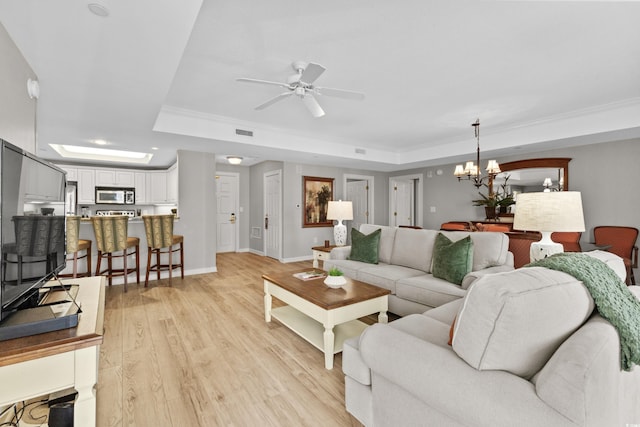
[(55, 311), (41, 364)]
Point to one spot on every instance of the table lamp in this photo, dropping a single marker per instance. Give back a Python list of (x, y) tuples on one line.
[(340, 211), (547, 212)]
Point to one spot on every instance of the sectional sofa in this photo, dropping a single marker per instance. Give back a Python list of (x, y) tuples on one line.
[(526, 349), (405, 263)]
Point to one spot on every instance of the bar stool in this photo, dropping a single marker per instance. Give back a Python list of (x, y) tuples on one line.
[(111, 236), (159, 231), (75, 245)]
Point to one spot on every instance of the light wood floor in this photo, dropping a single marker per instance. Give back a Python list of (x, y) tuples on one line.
[(199, 353)]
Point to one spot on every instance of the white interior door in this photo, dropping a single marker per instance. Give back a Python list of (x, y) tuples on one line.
[(358, 193), (272, 214), (402, 202), (227, 197), (405, 200)]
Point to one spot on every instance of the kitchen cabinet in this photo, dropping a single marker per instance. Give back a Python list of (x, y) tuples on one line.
[(172, 184), (140, 180), (72, 173), (41, 184), (86, 185), (115, 178), (157, 187)]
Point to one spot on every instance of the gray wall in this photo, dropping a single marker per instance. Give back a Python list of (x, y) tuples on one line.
[(197, 202), (606, 175), (17, 110)]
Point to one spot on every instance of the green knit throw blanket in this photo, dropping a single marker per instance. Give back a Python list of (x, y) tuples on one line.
[(613, 299)]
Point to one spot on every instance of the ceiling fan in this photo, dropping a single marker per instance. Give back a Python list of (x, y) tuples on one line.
[(301, 84)]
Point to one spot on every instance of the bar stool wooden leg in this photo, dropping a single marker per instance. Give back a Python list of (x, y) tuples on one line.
[(125, 269), (182, 260)]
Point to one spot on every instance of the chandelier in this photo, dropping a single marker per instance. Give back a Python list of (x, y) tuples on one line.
[(471, 171)]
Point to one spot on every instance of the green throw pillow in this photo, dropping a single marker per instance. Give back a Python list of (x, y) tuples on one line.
[(364, 247), (452, 260)]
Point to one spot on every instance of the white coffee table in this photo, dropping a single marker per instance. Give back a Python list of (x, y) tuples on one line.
[(323, 316)]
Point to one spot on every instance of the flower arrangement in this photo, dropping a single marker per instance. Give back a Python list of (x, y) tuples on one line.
[(501, 198)]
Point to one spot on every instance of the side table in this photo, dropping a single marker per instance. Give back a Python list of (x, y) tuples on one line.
[(321, 253)]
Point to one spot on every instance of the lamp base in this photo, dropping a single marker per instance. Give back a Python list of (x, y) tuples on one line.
[(340, 234), (544, 248)]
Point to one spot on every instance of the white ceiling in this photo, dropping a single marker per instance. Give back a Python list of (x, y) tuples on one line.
[(538, 74)]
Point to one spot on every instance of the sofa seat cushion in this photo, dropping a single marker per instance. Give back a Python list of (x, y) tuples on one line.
[(414, 248), (515, 321), (386, 275), (428, 290), (348, 267), (489, 249)]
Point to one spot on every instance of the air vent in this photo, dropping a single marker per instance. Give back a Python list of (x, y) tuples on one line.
[(361, 151), (244, 132)]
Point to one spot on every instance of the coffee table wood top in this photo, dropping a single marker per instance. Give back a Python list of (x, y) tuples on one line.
[(316, 292)]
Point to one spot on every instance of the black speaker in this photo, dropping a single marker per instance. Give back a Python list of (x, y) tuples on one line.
[(61, 415)]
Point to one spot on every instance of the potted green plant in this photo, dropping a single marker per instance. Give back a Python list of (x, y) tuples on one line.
[(335, 278), (490, 202)]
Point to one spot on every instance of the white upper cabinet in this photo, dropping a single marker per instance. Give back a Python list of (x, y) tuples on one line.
[(140, 180), (115, 178), (172, 184), (86, 185), (157, 187)]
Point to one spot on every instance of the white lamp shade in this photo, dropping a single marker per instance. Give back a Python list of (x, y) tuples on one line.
[(554, 211), (340, 210)]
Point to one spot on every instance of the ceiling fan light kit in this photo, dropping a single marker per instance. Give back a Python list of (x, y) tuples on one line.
[(301, 84)]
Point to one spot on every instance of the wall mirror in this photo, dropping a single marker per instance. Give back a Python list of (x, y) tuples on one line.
[(534, 175)]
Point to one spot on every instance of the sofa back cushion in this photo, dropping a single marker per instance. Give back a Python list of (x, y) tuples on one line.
[(515, 321), (489, 249), (414, 248), (387, 237)]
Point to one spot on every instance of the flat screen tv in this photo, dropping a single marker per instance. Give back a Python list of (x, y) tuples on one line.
[(32, 227)]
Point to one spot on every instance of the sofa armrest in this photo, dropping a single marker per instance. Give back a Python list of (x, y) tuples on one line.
[(475, 275), (443, 381), (341, 252)]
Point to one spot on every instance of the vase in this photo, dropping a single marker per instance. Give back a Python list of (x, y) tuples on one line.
[(335, 281), (490, 212)]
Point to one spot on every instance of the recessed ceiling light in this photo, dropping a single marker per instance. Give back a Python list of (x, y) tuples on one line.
[(100, 142), (154, 148), (102, 154), (234, 160), (98, 9)]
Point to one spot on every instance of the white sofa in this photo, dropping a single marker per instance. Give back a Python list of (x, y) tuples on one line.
[(404, 266), (522, 355)]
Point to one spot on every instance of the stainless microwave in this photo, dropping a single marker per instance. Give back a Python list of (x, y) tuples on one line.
[(115, 196)]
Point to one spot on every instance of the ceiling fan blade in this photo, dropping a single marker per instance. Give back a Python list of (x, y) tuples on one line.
[(274, 100), (312, 105), (311, 73), (339, 93), (263, 82)]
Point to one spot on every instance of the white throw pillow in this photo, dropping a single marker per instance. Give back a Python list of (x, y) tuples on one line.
[(515, 321)]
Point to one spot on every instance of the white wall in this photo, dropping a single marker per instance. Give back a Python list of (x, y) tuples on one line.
[(17, 110)]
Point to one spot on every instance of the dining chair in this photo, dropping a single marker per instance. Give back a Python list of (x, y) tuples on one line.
[(570, 240), (622, 241)]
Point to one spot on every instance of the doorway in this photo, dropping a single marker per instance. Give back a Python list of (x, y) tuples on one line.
[(273, 214), (405, 200), (227, 189), (359, 190)]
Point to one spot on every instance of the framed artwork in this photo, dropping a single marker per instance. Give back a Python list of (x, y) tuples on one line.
[(316, 194)]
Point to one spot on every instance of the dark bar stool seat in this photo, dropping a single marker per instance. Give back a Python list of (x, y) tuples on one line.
[(111, 237), (161, 240)]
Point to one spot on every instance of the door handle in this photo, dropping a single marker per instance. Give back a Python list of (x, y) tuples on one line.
[(232, 220), (266, 223)]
